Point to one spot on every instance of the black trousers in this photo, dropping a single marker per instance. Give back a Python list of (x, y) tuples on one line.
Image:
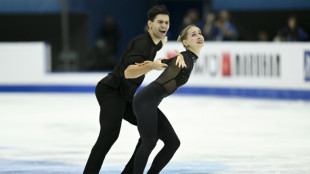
[(113, 108), (153, 125)]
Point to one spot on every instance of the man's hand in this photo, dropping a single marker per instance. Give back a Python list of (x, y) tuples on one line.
[(180, 60), (139, 69), (158, 65), (143, 63)]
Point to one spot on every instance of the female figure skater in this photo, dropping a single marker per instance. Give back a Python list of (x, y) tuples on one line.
[(152, 123)]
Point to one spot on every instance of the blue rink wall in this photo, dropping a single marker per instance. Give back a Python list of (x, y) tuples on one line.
[(235, 69), (214, 91)]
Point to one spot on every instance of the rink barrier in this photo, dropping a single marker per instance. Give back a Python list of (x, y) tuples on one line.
[(203, 91), (238, 69)]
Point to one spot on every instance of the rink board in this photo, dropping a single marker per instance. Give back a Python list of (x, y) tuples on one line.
[(241, 69)]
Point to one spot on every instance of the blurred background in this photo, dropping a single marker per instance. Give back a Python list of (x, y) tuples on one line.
[(91, 34)]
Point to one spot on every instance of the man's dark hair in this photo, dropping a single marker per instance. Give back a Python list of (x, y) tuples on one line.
[(155, 10)]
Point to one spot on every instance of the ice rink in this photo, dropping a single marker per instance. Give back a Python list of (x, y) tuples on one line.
[(51, 133)]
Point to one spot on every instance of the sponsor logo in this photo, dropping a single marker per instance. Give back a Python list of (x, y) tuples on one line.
[(240, 65), (207, 64), (259, 65), (307, 65), (226, 64)]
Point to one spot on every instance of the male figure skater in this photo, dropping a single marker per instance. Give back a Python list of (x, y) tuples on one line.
[(115, 91)]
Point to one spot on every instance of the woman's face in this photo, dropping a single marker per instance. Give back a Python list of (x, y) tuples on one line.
[(194, 38)]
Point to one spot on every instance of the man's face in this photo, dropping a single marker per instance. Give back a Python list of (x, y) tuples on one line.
[(159, 26)]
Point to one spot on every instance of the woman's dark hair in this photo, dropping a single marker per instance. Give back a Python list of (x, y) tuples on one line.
[(156, 10)]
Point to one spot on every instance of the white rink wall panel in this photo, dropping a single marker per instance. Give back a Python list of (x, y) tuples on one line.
[(245, 69)]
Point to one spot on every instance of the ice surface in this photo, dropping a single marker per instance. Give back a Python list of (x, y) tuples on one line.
[(54, 133)]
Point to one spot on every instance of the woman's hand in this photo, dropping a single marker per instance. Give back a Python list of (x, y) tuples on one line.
[(180, 60)]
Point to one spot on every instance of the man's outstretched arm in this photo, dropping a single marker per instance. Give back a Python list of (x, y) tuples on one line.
[(139, 69)]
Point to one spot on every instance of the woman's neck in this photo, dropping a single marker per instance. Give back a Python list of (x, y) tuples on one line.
[(195, 51)]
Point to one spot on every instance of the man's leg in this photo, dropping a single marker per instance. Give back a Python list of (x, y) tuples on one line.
[(111, 112), (129, 166), (131, 118)]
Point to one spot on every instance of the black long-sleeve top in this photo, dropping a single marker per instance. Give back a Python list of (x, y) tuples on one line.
[(173, 77), (138, 50)]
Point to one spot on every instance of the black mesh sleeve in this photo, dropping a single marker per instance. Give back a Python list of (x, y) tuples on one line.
[(167, 61)]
